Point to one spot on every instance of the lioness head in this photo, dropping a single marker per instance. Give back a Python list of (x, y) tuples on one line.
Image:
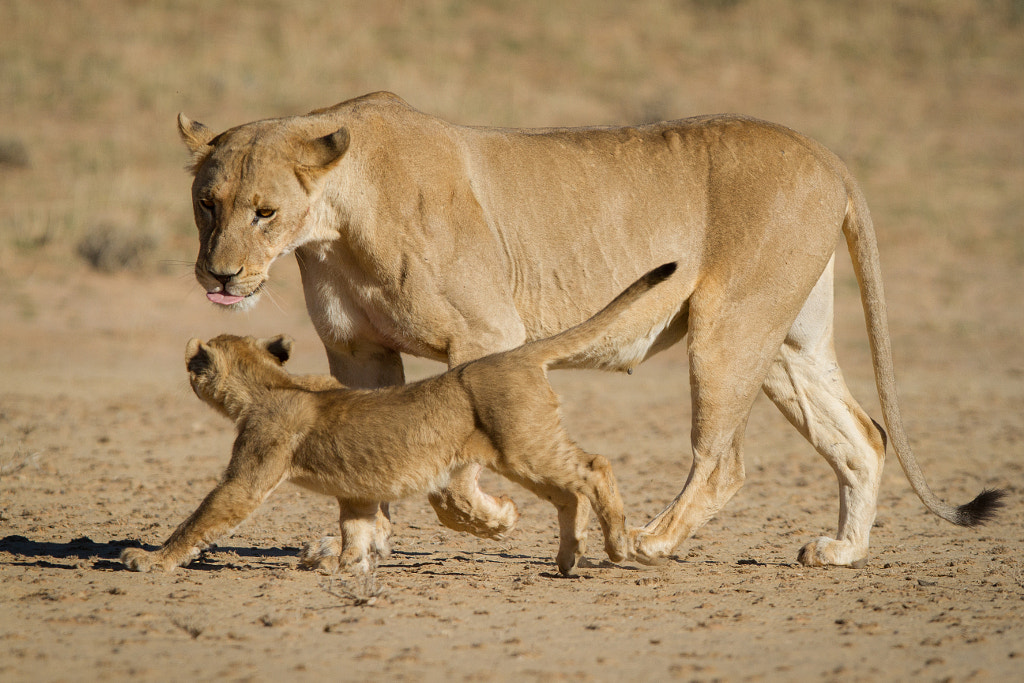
[(252, 196), (226, 371)]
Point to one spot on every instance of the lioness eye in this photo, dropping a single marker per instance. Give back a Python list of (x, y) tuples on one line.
[(207, 204), (265, 213)]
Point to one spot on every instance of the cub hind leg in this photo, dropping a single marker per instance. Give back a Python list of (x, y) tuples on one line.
[(575, 482), (806, 384)]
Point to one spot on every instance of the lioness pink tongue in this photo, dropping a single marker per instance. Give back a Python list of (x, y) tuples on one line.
[(223, 299)]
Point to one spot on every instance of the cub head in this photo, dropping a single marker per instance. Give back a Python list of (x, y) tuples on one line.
[(228, 372), (252, 197)]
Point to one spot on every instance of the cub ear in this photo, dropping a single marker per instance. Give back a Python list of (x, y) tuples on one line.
[(197, 357), (280, 347), (320, 155), (196, 137)]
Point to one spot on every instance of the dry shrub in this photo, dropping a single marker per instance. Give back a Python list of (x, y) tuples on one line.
[(14, 154), (360, 590), (111, 249)]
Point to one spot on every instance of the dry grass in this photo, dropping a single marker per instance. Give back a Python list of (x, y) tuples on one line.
[(924, 99), (359, 590), (17, 461), (110, 249)]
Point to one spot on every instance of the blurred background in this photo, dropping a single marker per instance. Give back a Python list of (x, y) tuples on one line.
[(924, 99)]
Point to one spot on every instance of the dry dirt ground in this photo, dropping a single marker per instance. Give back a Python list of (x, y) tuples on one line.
[(104, 446)]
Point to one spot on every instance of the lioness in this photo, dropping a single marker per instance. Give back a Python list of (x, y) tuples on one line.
[(417, 236), (381, 445)]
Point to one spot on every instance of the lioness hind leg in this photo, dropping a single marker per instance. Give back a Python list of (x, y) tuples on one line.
[(729, 357), (806, 384), (814, 397), (716, 474)]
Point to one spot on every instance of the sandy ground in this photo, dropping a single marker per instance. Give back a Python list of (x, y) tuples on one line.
[(103, 446)]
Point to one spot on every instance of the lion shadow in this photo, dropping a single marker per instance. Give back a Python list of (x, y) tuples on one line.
[(84, 552)]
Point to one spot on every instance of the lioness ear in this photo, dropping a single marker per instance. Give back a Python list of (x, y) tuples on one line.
[(280, 347), (196, 137), (197, 358), (320, 155)]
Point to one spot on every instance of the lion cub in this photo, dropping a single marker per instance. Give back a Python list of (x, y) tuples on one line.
[(363, 446)]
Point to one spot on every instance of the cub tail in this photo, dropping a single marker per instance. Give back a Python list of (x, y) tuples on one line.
[(578, 339)]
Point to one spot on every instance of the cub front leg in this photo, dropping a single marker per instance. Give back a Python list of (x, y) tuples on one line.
[(222, 510), (462, 505)]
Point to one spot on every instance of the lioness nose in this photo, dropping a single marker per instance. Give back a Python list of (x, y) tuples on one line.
[(224, 278)]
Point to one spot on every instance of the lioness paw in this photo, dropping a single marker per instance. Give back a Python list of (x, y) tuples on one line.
[(139, 560), (646, 548), (326, 555), (824, 551), (618, 547), (322, 554)]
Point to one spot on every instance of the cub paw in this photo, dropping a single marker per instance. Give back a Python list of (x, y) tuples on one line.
[(486, 516), (503, 521)]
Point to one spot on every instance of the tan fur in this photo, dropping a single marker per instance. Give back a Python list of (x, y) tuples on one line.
[(418, 236), (363, 446)]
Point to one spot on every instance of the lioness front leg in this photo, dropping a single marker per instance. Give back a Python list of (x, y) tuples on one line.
[(357, 365), (222, 510), (325, 552), (365, 528)]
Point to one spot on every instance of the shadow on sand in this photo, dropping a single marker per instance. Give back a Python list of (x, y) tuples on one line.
[(84, 552)]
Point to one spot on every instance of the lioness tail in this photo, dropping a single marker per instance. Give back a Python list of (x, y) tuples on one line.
[(860, 237)]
